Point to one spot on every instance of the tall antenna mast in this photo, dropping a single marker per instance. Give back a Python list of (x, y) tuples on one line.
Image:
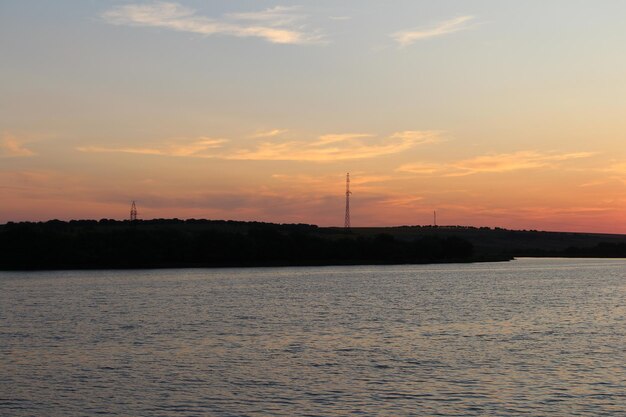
[(348, 192), (133, 212), (435, 218)]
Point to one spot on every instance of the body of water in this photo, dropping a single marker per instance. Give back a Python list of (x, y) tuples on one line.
[(533, 336)]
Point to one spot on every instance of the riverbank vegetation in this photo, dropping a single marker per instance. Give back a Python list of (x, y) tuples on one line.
[(174, 243), (169, 243)]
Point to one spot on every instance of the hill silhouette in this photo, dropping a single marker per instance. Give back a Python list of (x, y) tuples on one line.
[(201, 243), (167, 243)]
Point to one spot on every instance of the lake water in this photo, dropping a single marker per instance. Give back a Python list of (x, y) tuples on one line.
[(533, 336)]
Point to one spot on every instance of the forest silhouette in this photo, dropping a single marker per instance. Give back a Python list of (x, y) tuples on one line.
[(171, 243), (177, 243)]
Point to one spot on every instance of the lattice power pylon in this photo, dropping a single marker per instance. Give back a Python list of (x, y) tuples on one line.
[(133, 212), (348, 192)]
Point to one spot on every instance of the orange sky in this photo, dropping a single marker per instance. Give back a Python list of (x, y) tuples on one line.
[(491, 114)]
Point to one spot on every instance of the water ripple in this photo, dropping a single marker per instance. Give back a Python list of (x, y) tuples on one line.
[(531, 337)]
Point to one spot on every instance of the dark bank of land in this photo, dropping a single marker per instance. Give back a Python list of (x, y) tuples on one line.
[(171, 243)]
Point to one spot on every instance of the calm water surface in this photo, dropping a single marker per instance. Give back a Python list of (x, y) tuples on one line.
[(535, 337)]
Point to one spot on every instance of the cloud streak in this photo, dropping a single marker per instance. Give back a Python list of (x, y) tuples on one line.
[(493, 163), (325, 148), (281, 25), (335, 147), (269, 133), (408, 37), (515, 161), (197, 148), (11, 146)]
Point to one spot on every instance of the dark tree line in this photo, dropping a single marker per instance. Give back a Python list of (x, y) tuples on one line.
[(601, 250), (177, 243)]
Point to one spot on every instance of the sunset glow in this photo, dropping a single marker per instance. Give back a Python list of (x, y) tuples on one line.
[(499, 114)]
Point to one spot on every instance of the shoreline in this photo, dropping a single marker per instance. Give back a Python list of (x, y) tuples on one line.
[(254, 265), (180, 244), (298, 265)]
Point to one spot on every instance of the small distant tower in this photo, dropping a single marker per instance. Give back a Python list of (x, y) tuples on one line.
[(133, 212), (435, 218), (348, 192)]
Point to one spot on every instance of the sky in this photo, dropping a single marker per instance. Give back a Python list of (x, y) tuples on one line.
[(494, 113)]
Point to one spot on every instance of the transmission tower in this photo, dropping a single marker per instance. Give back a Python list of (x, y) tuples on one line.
[(348, 192), (133, 212)]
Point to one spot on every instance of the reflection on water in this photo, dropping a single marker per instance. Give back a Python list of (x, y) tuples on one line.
[(531, 336)]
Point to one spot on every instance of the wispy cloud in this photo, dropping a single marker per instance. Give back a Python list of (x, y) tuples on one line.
[(494, 163), (407, 37), (325, 148), (283, 25), (197, 147), (11, 146), (274, 16), (422, 168), (268, 133), (328, 148), (616, 171), (617, 167), (515, 161)]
